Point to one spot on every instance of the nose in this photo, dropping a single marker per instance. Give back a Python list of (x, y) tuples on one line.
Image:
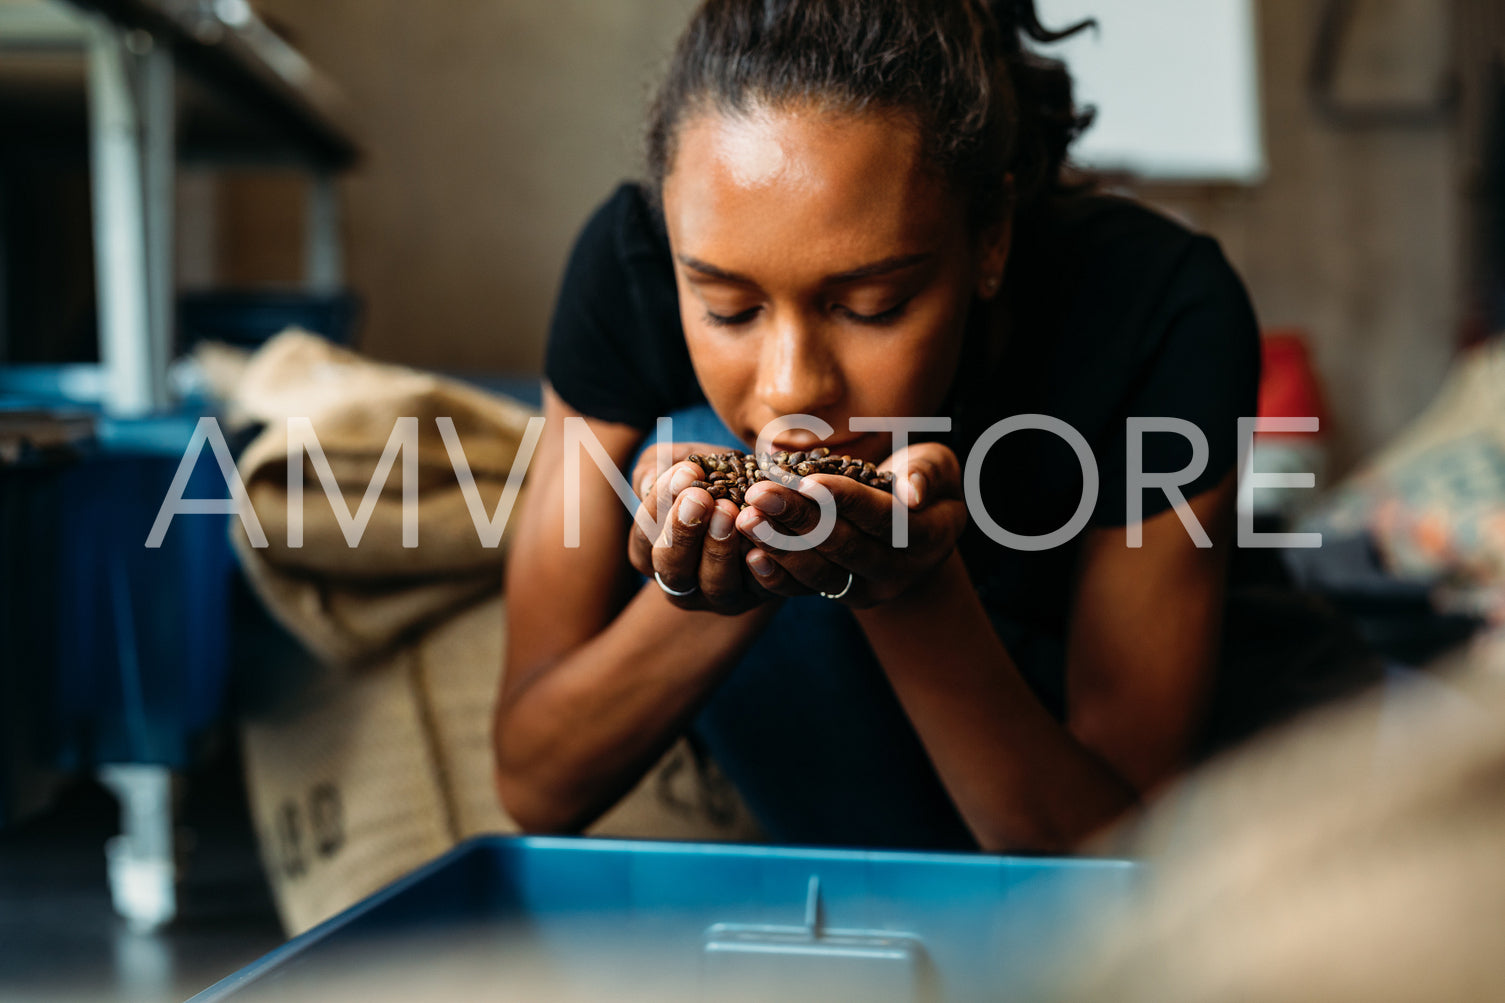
[(797, 372)]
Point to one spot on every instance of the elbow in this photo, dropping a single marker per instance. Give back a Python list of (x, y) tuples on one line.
[(1052, 831), (525, 795), (1034, 843), (531, 808)]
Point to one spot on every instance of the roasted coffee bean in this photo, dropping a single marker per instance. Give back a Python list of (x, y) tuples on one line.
[(730, 474)]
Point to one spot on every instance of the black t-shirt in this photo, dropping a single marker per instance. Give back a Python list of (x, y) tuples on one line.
[(1115, 312), (1112, 312)]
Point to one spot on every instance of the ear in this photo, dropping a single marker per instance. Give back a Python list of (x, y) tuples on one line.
[(993, 245)]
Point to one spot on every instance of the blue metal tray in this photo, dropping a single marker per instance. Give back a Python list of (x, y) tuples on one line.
[(582, 919)]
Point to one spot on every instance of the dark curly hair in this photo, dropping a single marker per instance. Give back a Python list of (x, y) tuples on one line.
[(986, 105)]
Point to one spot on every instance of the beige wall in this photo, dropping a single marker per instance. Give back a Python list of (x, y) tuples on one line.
[(491, 128)]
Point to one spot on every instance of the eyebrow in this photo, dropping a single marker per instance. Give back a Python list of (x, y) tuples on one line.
[(869, 271)]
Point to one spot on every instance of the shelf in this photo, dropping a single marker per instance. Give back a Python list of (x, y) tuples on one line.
[(135, 89), (243, 96)]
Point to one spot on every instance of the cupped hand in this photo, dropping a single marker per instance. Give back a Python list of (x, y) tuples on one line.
[(699, 551), (860, 547)]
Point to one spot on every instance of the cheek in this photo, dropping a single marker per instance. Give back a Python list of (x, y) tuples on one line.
[(727, 371), (914, 373)]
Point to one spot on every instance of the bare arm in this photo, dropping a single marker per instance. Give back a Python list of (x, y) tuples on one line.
[(600, 678), (1141, 651)]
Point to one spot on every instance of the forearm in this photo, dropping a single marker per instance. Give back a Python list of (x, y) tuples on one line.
[(575, 737), (1020, 779)]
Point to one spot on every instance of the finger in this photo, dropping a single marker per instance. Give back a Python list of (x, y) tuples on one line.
[(812, 569), (662, 495), (846, 547), (659, 458), (721, 570), (639, 542), (923, 472), (660, 498), (654, 462), (676, 554), (868, 508), (640, 551), (769, 576), (796, 513), (655, 499), (666, 486)]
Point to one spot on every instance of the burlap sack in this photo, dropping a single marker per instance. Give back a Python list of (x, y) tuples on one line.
[(385, 761)]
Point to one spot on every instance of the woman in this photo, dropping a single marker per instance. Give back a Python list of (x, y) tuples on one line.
[(856, 208)]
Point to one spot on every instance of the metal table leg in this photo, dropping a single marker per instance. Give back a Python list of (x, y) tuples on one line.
[(323, 262), (141, 864), (131, 120)]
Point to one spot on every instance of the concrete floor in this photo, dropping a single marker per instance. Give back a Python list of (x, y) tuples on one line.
[(61, 940)]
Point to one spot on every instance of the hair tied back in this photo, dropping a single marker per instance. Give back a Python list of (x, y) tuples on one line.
[(1018, 19)]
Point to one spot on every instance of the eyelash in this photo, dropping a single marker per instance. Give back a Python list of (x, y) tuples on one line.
[(736, 320), (870, 320)]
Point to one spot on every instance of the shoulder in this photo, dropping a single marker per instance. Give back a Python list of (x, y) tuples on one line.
[(615, 349), (1111, 244), (1114, 277), (627, 229)]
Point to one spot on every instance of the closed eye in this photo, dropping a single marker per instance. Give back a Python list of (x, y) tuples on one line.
[(871, 319), (876, 319), (733, 320)]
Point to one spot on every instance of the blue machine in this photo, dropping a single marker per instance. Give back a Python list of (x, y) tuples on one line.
[(116, 654), (565, 919), (132, 639)]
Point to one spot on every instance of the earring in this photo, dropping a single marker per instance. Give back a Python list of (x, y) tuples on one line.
[(991, 285)]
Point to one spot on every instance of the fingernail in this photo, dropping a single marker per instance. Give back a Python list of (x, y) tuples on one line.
[(691, 511), (681, 480), (916, 489), (722, 525), (769, 502), (760, 563)]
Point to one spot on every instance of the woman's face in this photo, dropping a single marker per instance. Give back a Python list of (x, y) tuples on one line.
[(822, 270)]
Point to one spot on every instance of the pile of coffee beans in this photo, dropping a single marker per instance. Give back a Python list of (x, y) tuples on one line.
[(729, 475)]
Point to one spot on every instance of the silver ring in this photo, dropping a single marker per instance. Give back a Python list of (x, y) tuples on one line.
[(681, 595), (837, 595)]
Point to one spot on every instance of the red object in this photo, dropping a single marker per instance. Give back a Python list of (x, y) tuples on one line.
[(1288, 387)]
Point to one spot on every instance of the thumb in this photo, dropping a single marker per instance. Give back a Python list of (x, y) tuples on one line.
[(924, 472), (659, 457)]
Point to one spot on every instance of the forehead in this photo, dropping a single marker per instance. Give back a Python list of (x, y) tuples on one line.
[(803, 188)]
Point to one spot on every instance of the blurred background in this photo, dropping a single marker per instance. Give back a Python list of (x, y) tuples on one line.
[(406, 181), (488, 135)]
